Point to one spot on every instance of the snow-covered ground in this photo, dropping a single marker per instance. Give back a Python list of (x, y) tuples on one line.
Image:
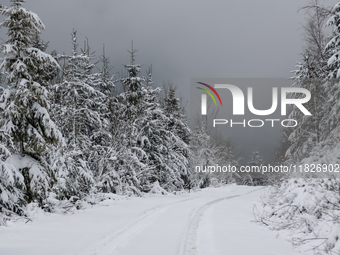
[(211, 221)]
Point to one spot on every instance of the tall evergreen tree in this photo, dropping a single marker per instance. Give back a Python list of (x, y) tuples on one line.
[(202, 151), (225, 156), (77, 104), (153, 151), (166, 151), (331, 120), (25, 104), (125, 109), (308, 133), (174, 111), (178, 125), (106, 85), (333, 46), (310, 74)]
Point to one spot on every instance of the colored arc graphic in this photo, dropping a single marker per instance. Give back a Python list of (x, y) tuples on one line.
[(209, 94), (212, 90)]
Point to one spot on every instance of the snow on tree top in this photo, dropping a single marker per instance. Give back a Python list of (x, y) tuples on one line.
[(29, 16)]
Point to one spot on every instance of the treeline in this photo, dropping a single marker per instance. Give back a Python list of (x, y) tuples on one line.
[(307, 205), (67, 133), (318, 72)]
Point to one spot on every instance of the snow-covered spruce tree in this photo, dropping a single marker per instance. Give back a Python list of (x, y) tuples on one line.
[(25, 102), (106, 84), (174, 111), (308, 133), (311, 74), (124, 110), (327, 149), (103, 149), (44, 74), (331, 118), (102, 158), (171, 103), (153, 152), (320, 132), (333, 46), (177, 124), (167, 152), (77, 105), (225, 156), (132, 85), (202, 152)]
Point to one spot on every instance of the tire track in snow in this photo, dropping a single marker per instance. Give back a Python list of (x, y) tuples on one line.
[(112, 243), (190, 245)]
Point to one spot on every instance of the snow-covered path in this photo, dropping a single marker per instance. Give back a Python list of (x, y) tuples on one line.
[(212, 221)]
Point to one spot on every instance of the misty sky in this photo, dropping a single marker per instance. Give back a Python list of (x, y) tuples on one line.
[(182, 39)]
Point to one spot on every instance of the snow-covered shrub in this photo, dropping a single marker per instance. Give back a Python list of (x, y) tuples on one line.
[(309, 209), (35, 177), (11, 185)]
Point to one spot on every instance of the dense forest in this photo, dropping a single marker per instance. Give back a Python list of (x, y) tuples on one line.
[(71, 130)]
